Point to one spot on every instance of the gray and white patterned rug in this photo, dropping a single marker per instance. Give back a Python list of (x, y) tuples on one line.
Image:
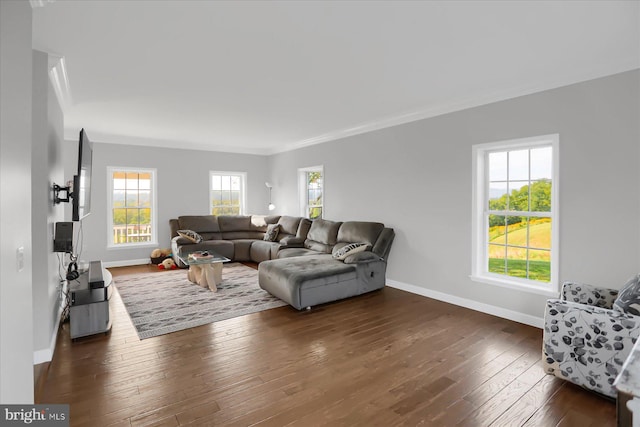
[(165, 302)]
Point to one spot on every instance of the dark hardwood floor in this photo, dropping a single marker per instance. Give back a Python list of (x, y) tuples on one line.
[(386, 358)]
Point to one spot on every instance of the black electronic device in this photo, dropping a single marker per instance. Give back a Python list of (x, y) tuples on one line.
[(95, 275), (63, 238), (82, 181), (72, 271)]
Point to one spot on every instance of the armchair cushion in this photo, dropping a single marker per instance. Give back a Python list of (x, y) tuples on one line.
[(588, 294), (628, 300), (587, 345)]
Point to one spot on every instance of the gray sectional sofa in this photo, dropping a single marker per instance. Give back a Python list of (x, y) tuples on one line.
[(298, 267)]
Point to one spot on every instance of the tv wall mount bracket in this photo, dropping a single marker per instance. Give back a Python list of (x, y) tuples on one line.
[(62, 194)]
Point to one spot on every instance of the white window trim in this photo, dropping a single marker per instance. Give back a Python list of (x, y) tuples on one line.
[(243, 188), (479, 232), (302, 190), (154, 209)]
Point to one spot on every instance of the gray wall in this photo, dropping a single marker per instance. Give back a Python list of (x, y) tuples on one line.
[(417, 178), (183, 188), (46, 169), (16, 321)]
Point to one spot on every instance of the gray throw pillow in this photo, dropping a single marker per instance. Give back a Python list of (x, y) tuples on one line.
[(272, 232), (350, 249), (628, 300), (190, 235)]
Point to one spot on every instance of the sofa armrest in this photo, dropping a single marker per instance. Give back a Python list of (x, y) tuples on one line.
[(362, 257), (587, 294), (292, 242), (587, 345)]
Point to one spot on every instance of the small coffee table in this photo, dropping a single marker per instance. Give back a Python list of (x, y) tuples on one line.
[(206, 272)]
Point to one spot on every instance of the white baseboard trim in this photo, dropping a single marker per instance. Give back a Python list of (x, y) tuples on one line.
[(516, 316), (125, 263), (46, 355)]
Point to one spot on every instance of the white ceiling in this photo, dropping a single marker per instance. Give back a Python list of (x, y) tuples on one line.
[(263, 77)]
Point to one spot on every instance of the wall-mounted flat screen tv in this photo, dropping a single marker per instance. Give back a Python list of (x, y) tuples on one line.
[(82, 181)]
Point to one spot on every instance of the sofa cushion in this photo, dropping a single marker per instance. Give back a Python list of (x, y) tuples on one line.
[(360, 232), (350, 249), (199, 223), (271, 235), (289, 224), (262, 250), (234, 223), (293, 252), (322, 235), (628, 300), (190, 235)]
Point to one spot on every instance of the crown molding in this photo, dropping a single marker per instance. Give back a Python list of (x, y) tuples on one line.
[(39, 3), (60, 80), (451, 107), (71, 134)]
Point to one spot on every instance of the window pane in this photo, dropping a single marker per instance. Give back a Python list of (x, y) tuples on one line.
[(315, 213), (540, 233), (235, 198), (541, 196), (496, 259), (132, 216), (226, 182), (498, 196), (118, 198), (540, 265), (144, 198), (519, 196), (144, 182), (118, 180), (132, 181), (497, 229), (541, 163), (518, 165), (132, 198), (516, 231), (216, 182), (517, 262), (235, 183), (119, 216), (498, 166), (145, 216)]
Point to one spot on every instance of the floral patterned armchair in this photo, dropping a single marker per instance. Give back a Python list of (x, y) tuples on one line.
[(586, 340)]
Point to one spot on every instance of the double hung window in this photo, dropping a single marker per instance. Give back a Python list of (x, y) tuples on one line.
[(311, 184), (132, 207), (227, 193), (515, 236)]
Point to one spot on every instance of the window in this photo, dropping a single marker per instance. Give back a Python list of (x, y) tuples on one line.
[(226, 193), (515, 224), (132, 207), (311, 183)]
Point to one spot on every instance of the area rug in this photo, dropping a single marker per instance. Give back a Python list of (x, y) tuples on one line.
[(165, 302)]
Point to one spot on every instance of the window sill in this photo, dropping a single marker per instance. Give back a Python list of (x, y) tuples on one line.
[(132, 246), (516, 285)]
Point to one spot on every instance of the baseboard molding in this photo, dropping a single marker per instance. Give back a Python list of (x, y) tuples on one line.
[(46, 355), (516, 316), (125, 263)]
